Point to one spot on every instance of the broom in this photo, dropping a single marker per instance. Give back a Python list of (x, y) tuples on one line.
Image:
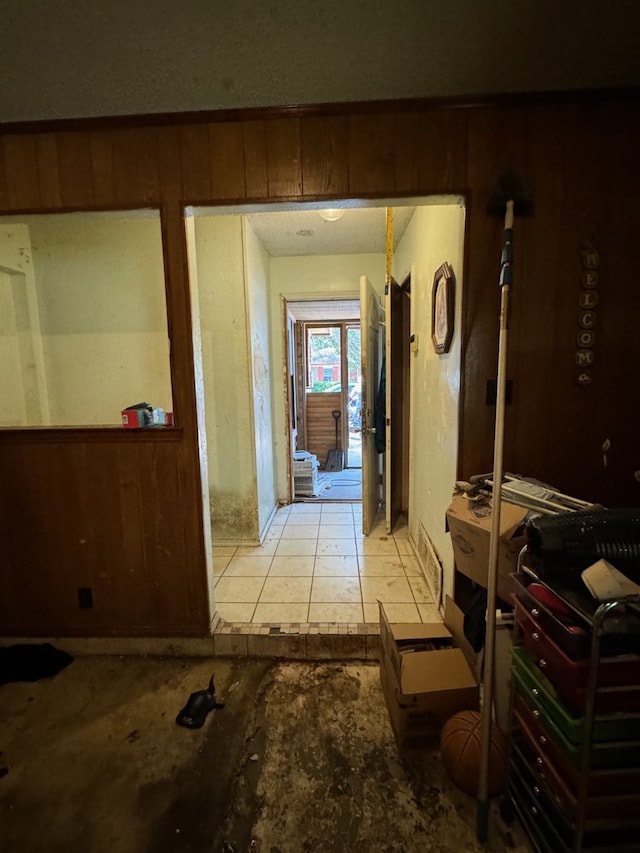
[(509, 197)]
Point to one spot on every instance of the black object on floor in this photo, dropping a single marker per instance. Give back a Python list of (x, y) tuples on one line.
[(200, 703), (335, 457), (474, 624), (27, 662)]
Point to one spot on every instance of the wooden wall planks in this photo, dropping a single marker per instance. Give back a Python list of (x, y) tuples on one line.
[(227, 160), (325, 169), (77, 163), (321, 427), (98, 513), (371, 154), (137, 181), (48, 170), (256, 177), (22, 185), (139, 497), (284, 158)]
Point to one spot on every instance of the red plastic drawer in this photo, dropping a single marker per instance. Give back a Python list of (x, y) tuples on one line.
[(611, 805), (566, 674), (574, 640), (555, 768)]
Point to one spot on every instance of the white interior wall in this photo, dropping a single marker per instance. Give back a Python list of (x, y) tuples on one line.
[(227, 373), (12, 392), (257, 283), (23, 387), (102, 313), (203, 450), (91, 317), (435, 234), (300, 277)]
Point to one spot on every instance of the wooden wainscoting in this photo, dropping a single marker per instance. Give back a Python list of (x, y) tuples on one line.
[(102, 511), (321, 430)]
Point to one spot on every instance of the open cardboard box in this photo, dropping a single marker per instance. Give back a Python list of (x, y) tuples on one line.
[(426, 675), (469, 523)]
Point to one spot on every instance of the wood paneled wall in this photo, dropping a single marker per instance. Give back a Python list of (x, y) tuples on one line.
[(580, 164), (320, 425), (100, 511), (121, 512)]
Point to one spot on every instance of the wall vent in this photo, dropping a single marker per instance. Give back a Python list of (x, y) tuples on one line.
[(431, 565)]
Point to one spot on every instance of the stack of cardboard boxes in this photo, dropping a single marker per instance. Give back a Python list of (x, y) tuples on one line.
[(469, 523), (429, 671), (426, 675)]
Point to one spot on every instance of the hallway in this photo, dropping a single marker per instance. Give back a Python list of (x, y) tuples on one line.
[(316, 568), (344, 485)]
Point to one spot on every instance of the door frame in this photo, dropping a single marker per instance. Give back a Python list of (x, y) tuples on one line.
[(299, 383)]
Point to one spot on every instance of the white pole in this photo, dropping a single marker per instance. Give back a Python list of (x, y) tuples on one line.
[(492, 573)]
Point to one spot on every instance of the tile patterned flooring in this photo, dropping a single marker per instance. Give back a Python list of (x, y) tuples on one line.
[(315, 566)]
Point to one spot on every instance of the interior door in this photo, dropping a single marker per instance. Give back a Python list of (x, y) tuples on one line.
[(393, 403), (292, 398), (370, 322)]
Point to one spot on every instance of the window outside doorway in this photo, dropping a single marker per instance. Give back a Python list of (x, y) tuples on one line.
[(333, 351)]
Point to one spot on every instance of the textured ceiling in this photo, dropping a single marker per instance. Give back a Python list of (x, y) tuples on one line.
[(325, 310), (159, 56), (304, 232)]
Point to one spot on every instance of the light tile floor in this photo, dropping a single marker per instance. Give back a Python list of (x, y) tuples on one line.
[(316, 566)]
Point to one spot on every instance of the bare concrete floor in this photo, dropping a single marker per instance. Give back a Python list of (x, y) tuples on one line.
[(302, 758)]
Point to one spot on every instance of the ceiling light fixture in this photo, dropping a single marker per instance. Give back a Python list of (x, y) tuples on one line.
[(331, 214)]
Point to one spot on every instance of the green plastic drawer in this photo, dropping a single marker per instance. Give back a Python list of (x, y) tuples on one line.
[(541, 695), (609, 754)]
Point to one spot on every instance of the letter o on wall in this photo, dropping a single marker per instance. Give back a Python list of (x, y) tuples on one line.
[(586, 338)]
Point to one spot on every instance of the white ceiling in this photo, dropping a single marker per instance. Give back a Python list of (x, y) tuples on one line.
[(303, 232), (325, 310), (362, 230), (123, 58)]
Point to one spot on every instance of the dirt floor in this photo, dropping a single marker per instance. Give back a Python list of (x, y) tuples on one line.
[(302, 758)]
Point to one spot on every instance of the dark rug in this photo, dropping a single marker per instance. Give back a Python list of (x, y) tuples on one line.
[(31, 662)]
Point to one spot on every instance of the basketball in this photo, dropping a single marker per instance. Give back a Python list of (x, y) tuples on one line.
[(460, 748)]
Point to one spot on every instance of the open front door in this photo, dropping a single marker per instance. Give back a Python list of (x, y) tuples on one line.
[(393, 407), (292, 397), (370, 322)]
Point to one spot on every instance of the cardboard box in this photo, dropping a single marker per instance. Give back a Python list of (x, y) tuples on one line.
[(469, 523), (425, 676)]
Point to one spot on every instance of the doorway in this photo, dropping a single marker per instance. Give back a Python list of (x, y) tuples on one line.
[(398, 343), (249, 267), (246, 280), (323, 399)]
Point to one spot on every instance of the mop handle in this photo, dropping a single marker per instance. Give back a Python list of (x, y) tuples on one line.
[(506, 280)]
